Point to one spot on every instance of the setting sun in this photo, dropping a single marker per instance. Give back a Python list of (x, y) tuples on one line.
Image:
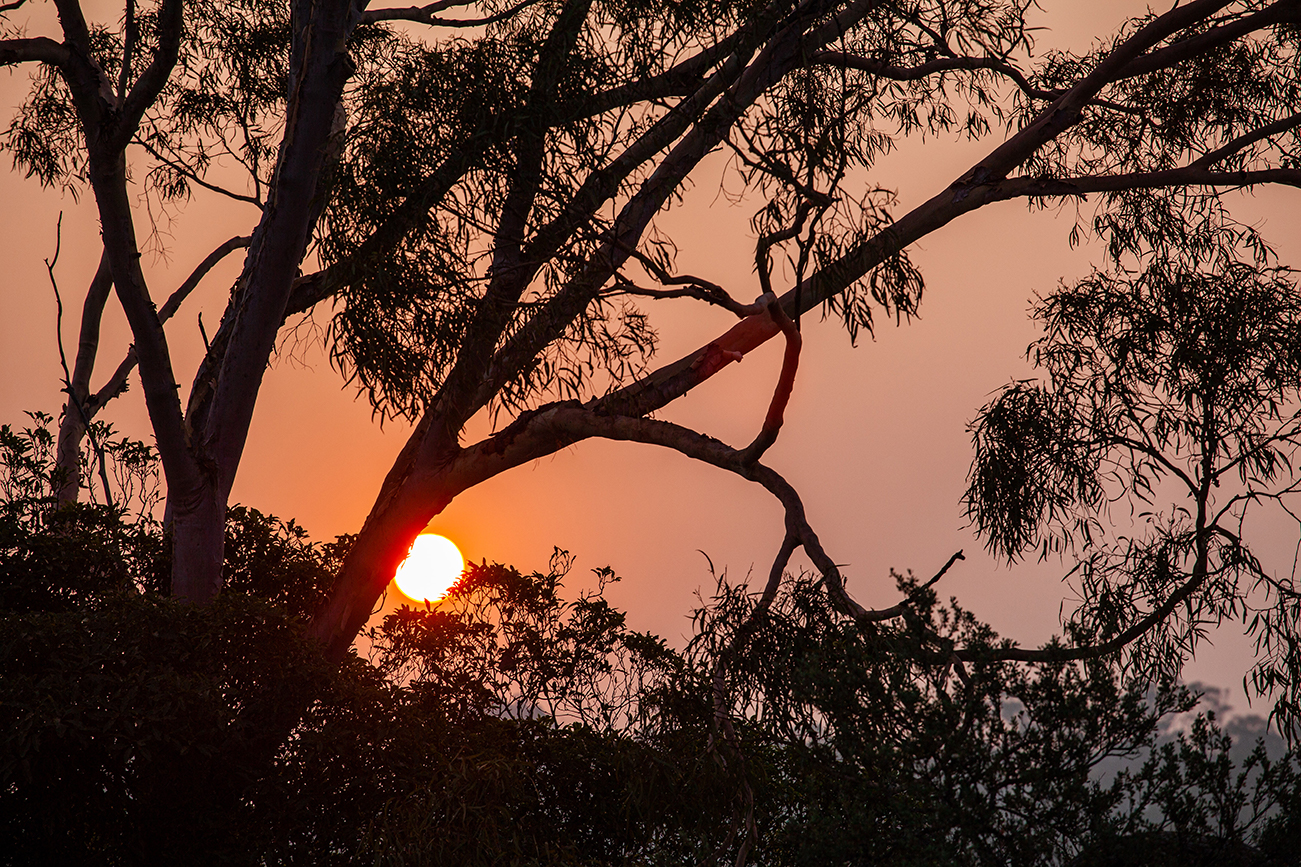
[(430, 569)]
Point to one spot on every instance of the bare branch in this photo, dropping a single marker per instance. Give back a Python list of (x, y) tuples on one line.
[(117, 382), (76, 33), (901, 609), (690, 287), (695, 287), (1060, 653), (844, 60), (73, 397), (1181, 177), (762, 261), (173, 302), (76, 412), (785, 383), (372, 15), (427, 15)]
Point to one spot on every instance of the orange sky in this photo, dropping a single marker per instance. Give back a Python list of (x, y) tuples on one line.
[(875, 438)]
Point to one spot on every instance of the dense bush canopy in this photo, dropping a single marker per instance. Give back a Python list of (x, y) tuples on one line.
[(511, 724)]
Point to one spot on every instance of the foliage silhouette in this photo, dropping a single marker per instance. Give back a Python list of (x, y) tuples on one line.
[(479, 201), (511, 725), (1171, 394)]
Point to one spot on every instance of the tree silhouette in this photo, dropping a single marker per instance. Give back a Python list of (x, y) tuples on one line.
[(477, 197), (1171, 393)]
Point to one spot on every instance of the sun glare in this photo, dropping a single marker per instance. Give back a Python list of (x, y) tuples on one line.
[(430, 569)]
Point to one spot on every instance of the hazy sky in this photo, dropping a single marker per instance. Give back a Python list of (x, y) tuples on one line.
[(875, 437)]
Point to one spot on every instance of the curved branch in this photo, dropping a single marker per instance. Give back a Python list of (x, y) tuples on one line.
[(1058, 653), (427, 14), (781, 396), (689, 287), (564, 424)]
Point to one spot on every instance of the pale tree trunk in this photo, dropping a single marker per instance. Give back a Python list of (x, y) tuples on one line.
[(200, 453), (248, 331)]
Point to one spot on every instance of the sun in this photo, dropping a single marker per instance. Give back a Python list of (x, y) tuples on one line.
[(430, 569)]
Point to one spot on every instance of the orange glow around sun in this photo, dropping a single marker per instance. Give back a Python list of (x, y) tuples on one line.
[(430, 569)]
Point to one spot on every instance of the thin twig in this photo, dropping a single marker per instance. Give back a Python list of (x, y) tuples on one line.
[(781, 396), (68, 388), (183, 170)]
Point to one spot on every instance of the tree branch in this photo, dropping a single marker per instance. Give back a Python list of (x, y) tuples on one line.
[(1279, 12), (1058, 653), (77, 412), (681, 79), (694, 287), (182, 169), (427, 14), (117, 382), (844, 60), (980, 185), (690, 287), (1181, 177), (511, 269), (772, 422), (781, 54), (128, 48), (74, 398), (171, 21), (1234, 145), (40, 48)]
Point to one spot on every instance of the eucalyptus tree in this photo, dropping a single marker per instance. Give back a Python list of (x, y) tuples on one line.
[(1167, 416), (476, 194)]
